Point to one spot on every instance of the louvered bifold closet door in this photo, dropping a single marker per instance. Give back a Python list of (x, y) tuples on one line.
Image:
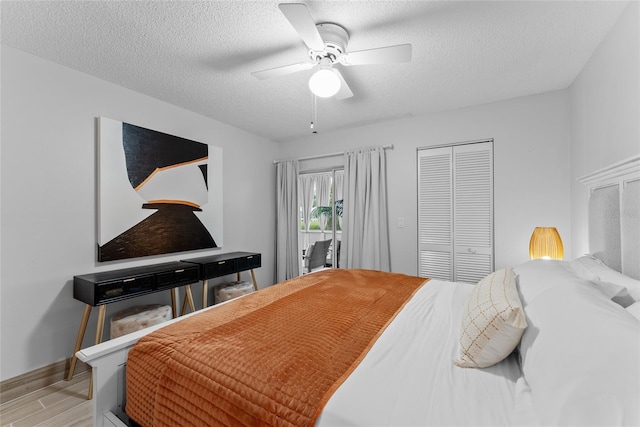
[(473, 211), (455, 212), (435, 209)]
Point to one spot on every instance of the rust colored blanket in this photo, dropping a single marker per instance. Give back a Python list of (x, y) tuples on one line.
[(273, 357)]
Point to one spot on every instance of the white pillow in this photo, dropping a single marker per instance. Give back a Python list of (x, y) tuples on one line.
[(535, 277), (616, 293), (584, 269), (634, 309), (580, 357), (493, 321), (604, 273)]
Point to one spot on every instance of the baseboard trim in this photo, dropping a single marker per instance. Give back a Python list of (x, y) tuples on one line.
[(26, 383)]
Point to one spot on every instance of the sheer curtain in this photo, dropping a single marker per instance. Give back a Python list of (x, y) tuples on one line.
[(306, 183), (365, 234), (287, 220), (338, 187), (323, 192)]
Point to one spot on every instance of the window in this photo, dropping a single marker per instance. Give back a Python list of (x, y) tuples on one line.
[(320, 200)]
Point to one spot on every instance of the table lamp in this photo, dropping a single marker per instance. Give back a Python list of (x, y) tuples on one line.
[(546, 243)]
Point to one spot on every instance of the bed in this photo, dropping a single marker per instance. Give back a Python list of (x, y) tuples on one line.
[(541, 343)]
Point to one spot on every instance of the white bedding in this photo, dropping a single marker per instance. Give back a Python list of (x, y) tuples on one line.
[(579, 362), (406, 381), (581, 351)]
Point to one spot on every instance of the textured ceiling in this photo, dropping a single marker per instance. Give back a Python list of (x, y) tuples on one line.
[(199, 55)]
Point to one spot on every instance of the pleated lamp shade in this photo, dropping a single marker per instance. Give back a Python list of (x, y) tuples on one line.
[(546, 243)]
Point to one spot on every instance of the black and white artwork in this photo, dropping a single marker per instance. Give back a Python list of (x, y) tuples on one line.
[(158, 193)]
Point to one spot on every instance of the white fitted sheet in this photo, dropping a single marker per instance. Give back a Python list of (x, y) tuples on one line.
[(408, 377)]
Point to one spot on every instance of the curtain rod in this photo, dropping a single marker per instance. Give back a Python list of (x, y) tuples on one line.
[(322, 156)]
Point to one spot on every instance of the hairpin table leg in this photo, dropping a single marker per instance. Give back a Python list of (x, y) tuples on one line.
[(81, 331), (205, 285), (253, 278), (188, 299), (174, 303)]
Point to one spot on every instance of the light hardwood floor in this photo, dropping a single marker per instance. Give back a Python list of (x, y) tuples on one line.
[(63, 404)]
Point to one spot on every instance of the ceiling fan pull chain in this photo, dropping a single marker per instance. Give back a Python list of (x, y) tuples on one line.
[(314, 115)]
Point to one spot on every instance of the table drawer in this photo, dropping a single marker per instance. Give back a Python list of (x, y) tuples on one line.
[(178, 277), (219, 268), (123, 288), (249, 262)]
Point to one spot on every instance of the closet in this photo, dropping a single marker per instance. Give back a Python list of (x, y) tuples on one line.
[(455, 211)]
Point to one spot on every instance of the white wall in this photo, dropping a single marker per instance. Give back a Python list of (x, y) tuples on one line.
[(605, 113), (531, 153), (48, 216)]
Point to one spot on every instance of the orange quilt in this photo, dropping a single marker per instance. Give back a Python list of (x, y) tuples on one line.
[(273, 357)]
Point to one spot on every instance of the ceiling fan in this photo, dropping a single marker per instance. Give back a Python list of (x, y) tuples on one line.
[(327, 43)]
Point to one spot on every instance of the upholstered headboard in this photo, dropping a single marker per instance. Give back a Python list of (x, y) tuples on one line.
[(614, 215)]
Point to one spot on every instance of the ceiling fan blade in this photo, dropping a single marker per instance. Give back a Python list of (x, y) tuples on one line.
[(381, 55), (282, 71), (345, 91), (299, 17)]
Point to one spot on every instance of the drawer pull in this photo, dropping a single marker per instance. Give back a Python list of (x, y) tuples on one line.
[(179, 271), (129, 280)]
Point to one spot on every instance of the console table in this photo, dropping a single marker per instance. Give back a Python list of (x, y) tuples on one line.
[(103, 288), (224, 264)]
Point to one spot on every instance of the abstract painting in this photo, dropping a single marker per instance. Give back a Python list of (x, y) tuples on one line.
[(158, 193)]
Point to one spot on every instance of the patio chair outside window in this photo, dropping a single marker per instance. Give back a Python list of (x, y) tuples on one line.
[(316, 255)]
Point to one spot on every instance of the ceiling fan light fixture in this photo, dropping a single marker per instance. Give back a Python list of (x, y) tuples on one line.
[(324, 83)]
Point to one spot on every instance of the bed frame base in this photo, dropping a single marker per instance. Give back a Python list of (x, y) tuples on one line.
[(108, 362)]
